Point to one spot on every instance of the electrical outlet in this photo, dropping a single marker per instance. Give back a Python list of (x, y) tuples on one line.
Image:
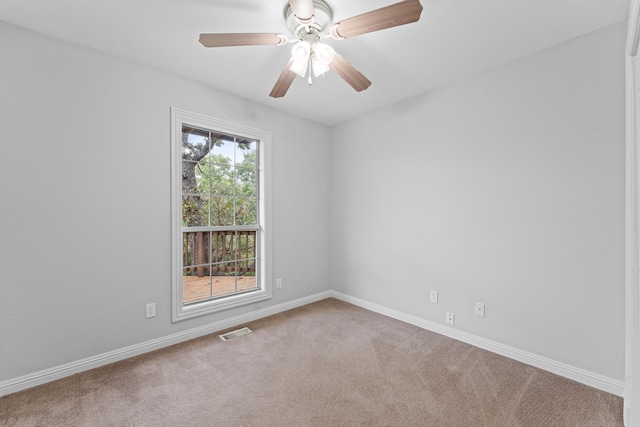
[(479, 309), (434, 297), (151, 310), (450, 319), (279, 283)]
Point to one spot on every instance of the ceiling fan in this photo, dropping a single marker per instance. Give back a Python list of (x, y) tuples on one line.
[(311, 21)]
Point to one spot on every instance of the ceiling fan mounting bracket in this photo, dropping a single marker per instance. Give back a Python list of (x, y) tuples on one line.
[(314, 30)]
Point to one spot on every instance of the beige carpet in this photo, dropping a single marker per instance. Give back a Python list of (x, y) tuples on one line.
[(325, 364)]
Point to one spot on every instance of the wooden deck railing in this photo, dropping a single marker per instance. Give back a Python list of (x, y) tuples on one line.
[(219, 252)]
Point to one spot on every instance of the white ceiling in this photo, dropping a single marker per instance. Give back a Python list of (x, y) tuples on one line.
[(452, 40)]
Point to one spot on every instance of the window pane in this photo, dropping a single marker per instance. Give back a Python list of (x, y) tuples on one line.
[(191, 176), (223, 269), (247, 267), (246, 172), (195, 143), (222, 179), (245, 147), (195, 288), (195, 211), (246, 250), (222, 210), (223, 246), (196, 249), (246, 282), (203, 176), (246, 155), (245, 189), (246, 211), (226, 279), (223, 149), (223, 279)]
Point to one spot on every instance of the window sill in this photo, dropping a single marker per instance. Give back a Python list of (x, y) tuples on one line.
[(212, 306)]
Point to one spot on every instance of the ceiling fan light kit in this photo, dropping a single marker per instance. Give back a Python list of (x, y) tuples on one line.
[(311, 21), (320, 55)]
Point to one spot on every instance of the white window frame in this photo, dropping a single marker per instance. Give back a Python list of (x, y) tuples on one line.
[(180, 311)]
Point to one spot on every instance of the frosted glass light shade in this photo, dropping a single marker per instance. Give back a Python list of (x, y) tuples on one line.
[(321, 57), (300, 54)]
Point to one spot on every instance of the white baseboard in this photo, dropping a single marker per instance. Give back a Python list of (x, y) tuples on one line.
[(61, 371), (589, 378), (580, 375)]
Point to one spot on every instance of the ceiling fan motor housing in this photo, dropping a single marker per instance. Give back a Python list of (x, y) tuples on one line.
[(311, 32)]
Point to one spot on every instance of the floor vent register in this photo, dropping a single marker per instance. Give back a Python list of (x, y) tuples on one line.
[(235, 334)]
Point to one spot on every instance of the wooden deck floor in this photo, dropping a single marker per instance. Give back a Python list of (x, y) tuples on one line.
[(197, 288)]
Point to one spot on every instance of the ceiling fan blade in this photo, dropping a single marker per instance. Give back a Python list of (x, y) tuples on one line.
[(241, 39), (284, 81), (350, 75), (401, 13), (303, 10)]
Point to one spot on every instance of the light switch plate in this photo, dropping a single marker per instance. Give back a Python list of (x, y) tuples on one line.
[(433, 297)]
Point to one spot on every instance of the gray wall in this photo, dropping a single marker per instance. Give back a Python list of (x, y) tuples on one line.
[(506, 188), (85, 200)]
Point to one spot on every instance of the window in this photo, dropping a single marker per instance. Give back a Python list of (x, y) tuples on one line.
[(220, 211)]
